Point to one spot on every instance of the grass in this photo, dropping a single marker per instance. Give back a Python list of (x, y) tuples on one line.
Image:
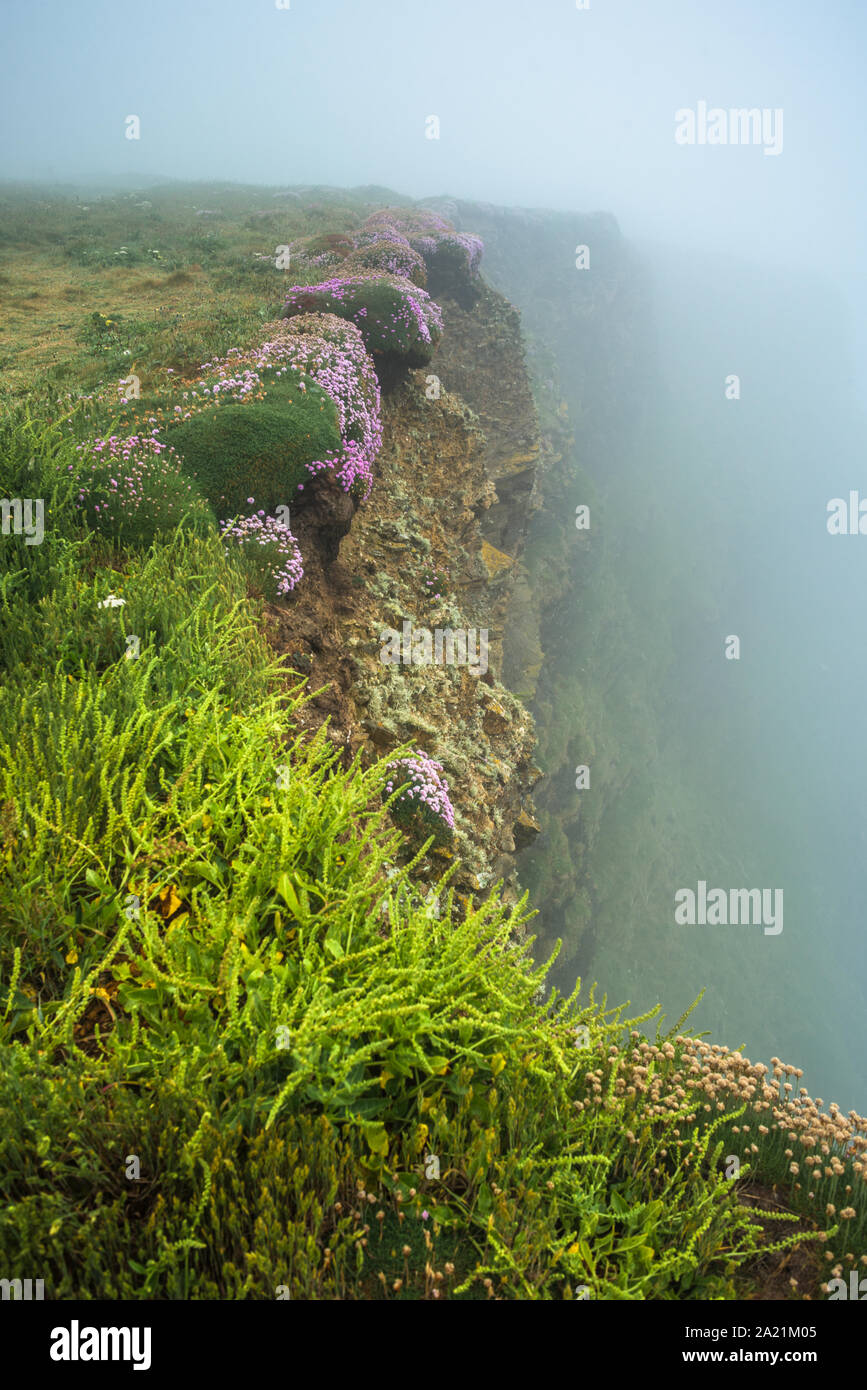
[(203, 292)]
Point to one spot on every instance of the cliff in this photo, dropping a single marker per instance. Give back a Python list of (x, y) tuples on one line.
[(437, 545), (588, 330), (212, 938)]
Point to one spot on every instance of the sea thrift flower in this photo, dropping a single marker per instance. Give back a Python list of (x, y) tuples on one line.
[(369, 236), (431, 235), (331, 353), (425, 793), (405, 319), (133, 487), (391, 257), (327, 351), (278, 557)]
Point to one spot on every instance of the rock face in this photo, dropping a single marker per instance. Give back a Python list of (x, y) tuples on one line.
[(436, 550), (589, 340)]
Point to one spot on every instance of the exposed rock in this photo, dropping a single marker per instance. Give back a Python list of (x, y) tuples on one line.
[(446, 516), (588, 342)]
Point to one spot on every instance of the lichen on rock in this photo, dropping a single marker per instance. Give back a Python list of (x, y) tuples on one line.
[(434, 509)]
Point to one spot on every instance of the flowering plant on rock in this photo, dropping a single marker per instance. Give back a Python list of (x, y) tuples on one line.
[(412, 223), (452, 256), (271, 552), (372, 232), (423, 806), (260, 443), (389, 257), (330, 352), (133, 488), (396, 318), (271, 418)]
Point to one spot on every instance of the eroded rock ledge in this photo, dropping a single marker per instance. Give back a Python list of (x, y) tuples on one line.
[(437, 545)]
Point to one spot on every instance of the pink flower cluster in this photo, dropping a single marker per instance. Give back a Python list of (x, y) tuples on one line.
[(332, 353), (134, 488), (119, 478), (121, 449), (467, 242), (385, 232), (230, 379), (424, 231), (328, 351), (417, 310), (409, 222), (427, 787), (393, 257), (283, 559), (435, 582)]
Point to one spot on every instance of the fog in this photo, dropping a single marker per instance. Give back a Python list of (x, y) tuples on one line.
[(539, 103), (759, 770), (755, 253)]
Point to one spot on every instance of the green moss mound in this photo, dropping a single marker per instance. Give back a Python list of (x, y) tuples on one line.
[(397, 319), (258, 450), (391, 258), (337, 244), (151, 496)]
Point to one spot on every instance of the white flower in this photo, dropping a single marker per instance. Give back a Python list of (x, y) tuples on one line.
[(112, 602)]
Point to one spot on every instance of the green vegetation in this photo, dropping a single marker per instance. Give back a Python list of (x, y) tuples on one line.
[(390, 258), (258, 450), (397, 319), (241, 1052), (69, 256), (134, 489)]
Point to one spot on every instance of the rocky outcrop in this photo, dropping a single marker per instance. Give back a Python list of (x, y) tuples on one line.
[(435, 548), (587, 334)]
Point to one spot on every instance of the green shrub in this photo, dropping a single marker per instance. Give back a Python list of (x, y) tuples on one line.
[(389, 258), (259, 449), (38, 459), (133, 489), (397, 319), (91, 742)]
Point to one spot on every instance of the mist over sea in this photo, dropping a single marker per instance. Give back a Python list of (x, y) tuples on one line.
[(758, 778)]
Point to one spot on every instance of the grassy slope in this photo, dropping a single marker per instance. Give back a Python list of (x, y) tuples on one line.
[(202, 293)]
